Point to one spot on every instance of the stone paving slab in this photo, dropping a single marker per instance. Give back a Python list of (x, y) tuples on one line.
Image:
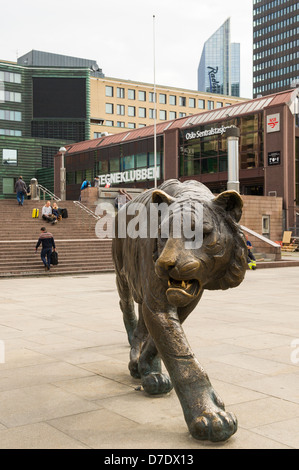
[(65, 382)]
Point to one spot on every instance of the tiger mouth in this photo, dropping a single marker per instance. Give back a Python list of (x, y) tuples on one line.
[(182, 292)]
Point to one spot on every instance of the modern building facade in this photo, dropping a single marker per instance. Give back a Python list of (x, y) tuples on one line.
[(219, 66), (49, 100), (195, 147), (275, 45)]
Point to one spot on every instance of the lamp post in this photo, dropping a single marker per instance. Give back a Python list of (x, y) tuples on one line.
[(233, 135), (62, 150)]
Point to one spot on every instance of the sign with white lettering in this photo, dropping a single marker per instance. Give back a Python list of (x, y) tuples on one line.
[(273, 158), (198, 134), (129, 176), (273, 123)]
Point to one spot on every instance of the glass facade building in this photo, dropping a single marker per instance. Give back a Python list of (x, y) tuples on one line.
[(219, 66), (275, 46)]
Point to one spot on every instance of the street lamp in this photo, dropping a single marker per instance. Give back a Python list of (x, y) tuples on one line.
[(62, 150)]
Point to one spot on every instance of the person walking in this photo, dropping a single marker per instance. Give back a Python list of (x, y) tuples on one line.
[(21, 190), (47, 241)]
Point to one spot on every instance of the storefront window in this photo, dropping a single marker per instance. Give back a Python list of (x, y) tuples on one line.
[(211, 150), (127, 163), (114, 165), (141, 160), (103, 167)]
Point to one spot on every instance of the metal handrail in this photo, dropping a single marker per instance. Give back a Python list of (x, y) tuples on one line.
[(45, 191), (86, 209)]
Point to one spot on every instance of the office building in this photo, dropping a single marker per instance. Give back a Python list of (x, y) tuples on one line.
[(195, 147), (219, 67), (275, 45), (49, 100)]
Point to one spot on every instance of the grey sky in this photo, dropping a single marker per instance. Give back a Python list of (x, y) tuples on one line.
[(119, 35)]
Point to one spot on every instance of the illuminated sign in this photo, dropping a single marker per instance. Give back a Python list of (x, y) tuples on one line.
[(129, 176), (273, 123), (214, 131)]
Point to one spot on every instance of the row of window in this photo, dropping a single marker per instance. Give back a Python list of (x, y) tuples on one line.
[(141, 95), (276, 73), (274, 85), (10, 96), (7, 115), (278, 37), (10, 77), (276, 61), (276, 50), (11, 132), (142, 112), (271, 16), (276, 26), (276, 3)]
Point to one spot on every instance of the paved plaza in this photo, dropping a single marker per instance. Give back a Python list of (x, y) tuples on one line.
[(65, 383)]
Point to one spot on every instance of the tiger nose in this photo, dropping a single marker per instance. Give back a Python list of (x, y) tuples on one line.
[(166, 262)]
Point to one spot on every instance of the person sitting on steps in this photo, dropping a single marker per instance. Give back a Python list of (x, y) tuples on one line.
[(47, 213)]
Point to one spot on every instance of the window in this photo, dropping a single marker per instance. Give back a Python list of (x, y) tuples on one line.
[(131, 111), (10, 115), (162, 98), (191, 102), (120, 92), (162, 115), (141, 95), (219, 104), (172, 100), (142, 112), (109, 90), (210, 104), (120, 109), (201, 104), (172, 115), (141, 125), (110, 123), (182, 115), (151, 113), (10, 77), (182, 101), (10, 157), (8, 186), (152, 97), (131, 94), (10, 96), (109, 108), (11, 132), (131, 125), (120, 124)]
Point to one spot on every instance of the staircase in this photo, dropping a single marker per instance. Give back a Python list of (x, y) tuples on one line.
[(79, 250)]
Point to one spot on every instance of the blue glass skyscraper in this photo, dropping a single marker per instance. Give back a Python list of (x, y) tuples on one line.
[(219, 67)]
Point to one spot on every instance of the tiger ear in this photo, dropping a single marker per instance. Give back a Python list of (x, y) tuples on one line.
[(159, 196), (231, 202)]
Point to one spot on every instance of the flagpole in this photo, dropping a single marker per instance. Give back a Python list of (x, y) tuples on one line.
[(155, 105)]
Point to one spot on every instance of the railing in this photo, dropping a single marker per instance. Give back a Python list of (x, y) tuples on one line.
[(85, 214), (86, 210), (41, 188)]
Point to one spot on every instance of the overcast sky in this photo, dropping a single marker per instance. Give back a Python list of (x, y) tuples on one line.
[(119, 35)]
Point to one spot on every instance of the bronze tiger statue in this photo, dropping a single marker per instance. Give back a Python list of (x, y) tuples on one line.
[(167, 280)]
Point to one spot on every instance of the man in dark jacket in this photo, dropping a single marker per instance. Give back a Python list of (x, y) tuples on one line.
[(21, 190), (47, 241)]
